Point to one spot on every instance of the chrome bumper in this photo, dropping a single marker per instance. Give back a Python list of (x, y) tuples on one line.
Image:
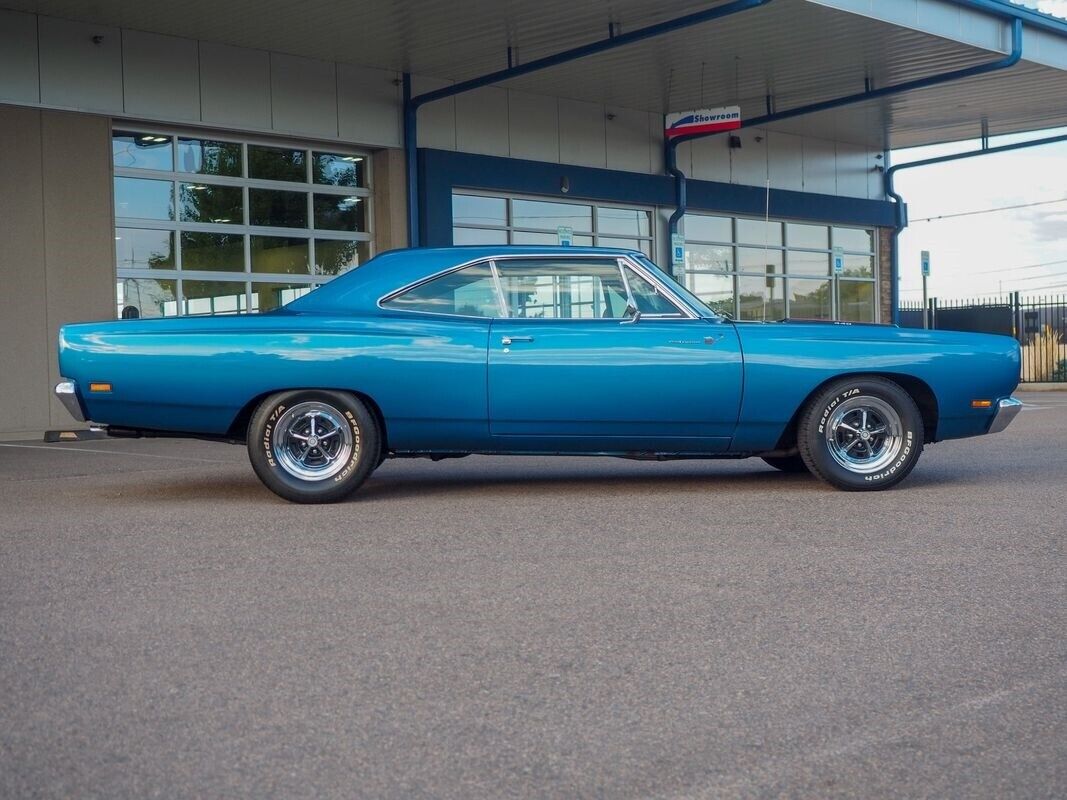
[(1007, 410), (67, 392)]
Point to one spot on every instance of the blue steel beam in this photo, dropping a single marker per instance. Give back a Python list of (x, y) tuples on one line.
[(902, 210), (413, 103)]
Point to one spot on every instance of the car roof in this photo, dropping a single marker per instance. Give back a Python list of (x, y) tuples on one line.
[(362, 287)]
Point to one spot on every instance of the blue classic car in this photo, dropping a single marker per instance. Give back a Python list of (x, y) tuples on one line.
[(534, 350)]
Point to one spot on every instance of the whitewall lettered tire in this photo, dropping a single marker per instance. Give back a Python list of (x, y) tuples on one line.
[(313, 445), (861, 434)]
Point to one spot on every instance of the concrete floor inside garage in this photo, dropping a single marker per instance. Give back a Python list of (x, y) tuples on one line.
[(534, 627)]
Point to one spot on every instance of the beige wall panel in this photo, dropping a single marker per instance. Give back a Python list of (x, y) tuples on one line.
[(582, 135), (24, 387), (482, 121), (390, 200), (235, 86), (19, 78), (533, 124), (79, 227), (303, 95), (368, 105), (627, 140), (161, 76), (711, 159), (76, 71)]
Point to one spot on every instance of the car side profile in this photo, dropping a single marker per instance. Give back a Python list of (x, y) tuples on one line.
[(533, 350)]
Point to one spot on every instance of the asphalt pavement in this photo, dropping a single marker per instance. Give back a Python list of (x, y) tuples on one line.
[(534, 627)]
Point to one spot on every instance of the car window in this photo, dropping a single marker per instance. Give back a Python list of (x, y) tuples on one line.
[(647, 298), (563, 288), (468, 292)]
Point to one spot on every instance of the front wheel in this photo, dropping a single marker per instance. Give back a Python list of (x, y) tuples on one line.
[(861, 434), (313, 446)]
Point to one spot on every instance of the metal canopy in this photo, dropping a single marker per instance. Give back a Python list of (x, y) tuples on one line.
[(797, 51)]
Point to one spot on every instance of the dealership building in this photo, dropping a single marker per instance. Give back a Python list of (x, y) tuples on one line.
[(160, 159)]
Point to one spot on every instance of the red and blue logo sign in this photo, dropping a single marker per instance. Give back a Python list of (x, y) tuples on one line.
[(702, 120)]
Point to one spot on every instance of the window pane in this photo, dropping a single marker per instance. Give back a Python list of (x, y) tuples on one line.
[(623, 221), (751, 259), (563, 289), (856, 301), (137, 248), (760, 298), (470, 292), (757, 231), (816, 237), (701, 228), (334, 257), (859, 266), (854, 239), (277, 208), (469, 209), (224, 252), (478, 236), (142, 150), (141, 298), (208, 157), (809, 299), (277, 163), (716, 291), (277, 254), (647, 297), (268, 296), (807, 263), (549, 216), (334, 213), (333, 169), (214, 297), (144, 199), (204, 202), (530, 237), (712, 258)]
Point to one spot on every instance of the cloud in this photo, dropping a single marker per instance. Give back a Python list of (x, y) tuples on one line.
[(1048, 226), (1057, 8)]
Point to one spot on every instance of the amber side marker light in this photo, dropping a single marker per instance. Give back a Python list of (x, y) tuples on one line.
[(99, 387), (981, 404)]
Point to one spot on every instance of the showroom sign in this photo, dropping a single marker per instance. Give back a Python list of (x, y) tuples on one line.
[(702, 120)]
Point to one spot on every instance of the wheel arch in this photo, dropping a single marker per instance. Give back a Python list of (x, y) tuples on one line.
[(918, 389), (238, 430)]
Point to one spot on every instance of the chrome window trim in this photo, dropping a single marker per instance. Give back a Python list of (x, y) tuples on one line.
[(684, 311)]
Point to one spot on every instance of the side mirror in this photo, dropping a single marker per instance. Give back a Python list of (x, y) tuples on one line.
[(631, 315)]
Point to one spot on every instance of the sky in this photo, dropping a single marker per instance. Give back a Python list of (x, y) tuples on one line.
[(983, 254)]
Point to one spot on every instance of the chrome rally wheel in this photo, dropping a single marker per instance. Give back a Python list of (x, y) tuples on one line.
[(313, 441), (864, 434), (313, 445), (861, 434)]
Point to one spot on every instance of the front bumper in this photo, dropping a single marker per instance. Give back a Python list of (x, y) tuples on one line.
[(1007, 410), (67, 392)]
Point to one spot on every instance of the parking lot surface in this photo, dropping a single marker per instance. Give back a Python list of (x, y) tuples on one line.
[(525, 627)]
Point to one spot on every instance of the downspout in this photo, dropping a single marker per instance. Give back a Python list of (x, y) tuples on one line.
[(1009, 60), (902, 213), (412, 104)]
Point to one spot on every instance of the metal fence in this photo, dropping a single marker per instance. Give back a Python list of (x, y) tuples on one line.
[(1038, 323)]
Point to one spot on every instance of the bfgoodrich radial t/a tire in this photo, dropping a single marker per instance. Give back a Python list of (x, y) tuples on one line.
[(861, 434), (312, 445)]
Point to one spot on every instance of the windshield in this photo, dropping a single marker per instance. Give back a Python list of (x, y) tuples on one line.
[(694, 302)]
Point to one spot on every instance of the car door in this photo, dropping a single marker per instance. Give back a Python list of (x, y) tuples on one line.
[(595, 355)]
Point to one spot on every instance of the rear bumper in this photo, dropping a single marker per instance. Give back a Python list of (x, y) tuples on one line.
[(67, 392), (1007, 410)]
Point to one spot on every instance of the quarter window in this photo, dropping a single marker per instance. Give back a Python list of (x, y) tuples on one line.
[(468, 292)]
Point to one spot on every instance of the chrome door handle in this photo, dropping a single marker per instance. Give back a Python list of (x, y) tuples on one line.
[(507, 341)]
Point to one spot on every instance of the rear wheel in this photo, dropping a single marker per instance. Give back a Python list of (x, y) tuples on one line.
[(313, 446), (861, 434)]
